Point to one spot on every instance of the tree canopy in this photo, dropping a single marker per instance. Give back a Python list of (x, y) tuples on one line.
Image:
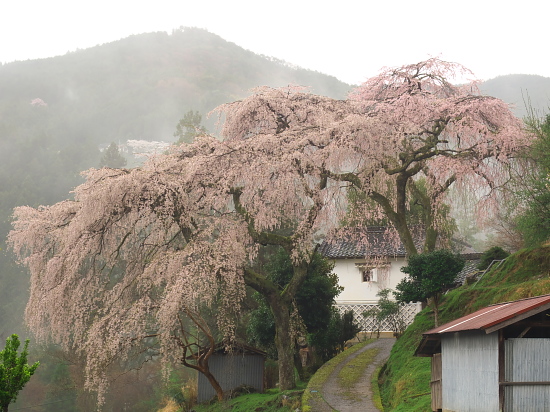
[(189, 127), (14, 371), (135, 246), (429, 275), (534, 219)]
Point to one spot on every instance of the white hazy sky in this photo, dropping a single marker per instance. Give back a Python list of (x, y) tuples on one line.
[(349, 39)]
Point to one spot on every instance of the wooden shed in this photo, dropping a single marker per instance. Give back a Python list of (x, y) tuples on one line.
[(495, 359), (241, 365)]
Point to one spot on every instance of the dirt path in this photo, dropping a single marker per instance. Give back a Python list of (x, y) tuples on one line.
[(359, 398)]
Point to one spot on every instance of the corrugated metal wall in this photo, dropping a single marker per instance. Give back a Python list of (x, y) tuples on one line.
[(232, 371), (527, 360), (470, 372)]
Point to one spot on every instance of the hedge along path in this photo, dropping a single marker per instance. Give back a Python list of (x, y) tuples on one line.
[(346, 380)]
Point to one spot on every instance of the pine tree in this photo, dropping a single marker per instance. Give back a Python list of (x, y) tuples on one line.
[(112, 158)]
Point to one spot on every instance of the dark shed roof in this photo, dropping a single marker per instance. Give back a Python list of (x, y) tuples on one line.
[(489, 319), (237, 348), (234, 348)]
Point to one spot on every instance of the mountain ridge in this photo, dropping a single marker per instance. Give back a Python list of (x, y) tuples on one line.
[(149, 81)]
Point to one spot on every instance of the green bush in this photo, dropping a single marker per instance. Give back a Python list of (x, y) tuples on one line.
[(495, 253)]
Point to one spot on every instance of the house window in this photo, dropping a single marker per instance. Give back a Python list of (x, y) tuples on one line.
[(368, 273)]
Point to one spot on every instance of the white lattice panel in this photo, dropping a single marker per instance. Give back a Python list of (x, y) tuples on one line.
[(369, 324)]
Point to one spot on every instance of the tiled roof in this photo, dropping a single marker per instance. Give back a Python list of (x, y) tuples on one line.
[(470, 267), (374, 241), (488, 319), (362, 242)]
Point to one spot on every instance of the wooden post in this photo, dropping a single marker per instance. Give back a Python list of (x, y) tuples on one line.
[(501, 369), (435, 383)]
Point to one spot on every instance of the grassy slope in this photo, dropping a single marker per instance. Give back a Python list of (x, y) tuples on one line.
[(405, 379)]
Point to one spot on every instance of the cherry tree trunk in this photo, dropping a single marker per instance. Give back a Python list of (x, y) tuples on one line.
[(284, 343), (214, 383), (285, 348)]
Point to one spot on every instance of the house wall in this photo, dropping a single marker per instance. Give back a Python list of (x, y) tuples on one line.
[(469, 378), (355, 290), (232, 371)]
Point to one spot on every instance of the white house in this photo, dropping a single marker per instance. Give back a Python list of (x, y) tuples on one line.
[(366, 261)]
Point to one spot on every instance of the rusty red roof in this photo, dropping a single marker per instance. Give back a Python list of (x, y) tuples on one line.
[(489, 319)]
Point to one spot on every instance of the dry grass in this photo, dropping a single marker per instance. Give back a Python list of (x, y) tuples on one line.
[(170, 406), (190, 393)]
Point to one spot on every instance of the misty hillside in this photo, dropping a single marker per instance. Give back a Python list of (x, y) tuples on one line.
[(140, 86), (521, 91), (56, 112)]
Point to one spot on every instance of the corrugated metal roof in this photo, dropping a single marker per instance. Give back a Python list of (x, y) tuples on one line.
[(491, 316), (489, 319)]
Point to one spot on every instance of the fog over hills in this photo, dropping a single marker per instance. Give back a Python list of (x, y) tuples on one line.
[(521, 91), (140, 86), (56, 113)]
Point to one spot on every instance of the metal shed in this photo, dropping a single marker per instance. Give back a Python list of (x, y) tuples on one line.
[(495, 359), (241, 365)]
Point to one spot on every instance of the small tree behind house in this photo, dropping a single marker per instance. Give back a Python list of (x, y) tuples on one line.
[(494, 253), (387, 312), (430, 274)]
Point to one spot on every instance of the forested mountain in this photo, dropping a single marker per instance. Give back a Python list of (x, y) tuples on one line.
[(521, 91), (140, 86)]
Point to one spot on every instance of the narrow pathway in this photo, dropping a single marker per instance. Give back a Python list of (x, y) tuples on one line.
[(335, 398)]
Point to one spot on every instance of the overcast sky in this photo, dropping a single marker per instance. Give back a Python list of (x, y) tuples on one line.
[(349, 39)]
